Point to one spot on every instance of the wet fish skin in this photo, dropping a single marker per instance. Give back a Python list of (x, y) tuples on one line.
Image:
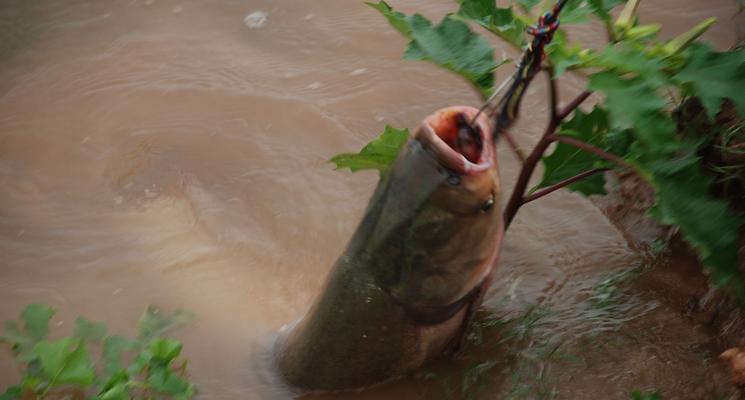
[(431, 235)]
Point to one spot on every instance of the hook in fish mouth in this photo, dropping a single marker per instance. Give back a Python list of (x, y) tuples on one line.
[(460, 145)]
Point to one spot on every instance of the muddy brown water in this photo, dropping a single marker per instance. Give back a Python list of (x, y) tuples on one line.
[(164, 152)]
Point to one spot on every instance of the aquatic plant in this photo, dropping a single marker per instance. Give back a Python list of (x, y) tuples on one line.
[(640, 80), (147, 367)]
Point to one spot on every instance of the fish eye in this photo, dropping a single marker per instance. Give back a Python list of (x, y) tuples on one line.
[(454, 180), (488, 204)]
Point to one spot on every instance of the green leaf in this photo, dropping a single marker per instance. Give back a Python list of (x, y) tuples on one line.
[(576, 12), (637, 395), (713, 77), (113, 348), (66, 362), (379, 154), (563, 56), (154, 323), (162, 379), (567, 161), (634, 103), (116, 387), (453, 46), (12, 393), (528, 5), (397, 19), (684, 199), (503, 22), (89, 331), (37, 317), (602, 8), (165, 350)]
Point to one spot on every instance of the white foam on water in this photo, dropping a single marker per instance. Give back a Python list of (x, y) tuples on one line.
[(256, 19)]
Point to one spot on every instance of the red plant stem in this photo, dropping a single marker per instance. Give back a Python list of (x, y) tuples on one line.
[(591, 149), (566, 182), (519, 153), (518, 193), (553, 93)]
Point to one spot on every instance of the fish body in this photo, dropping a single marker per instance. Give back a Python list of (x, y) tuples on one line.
[(404, 290)]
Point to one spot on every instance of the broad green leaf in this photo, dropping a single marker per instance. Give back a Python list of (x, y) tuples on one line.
[(602, 8), (397, 19), (154, 323), (66, 362), (378, 154), (37, 317), (634, 103), (684, 199), (637, 395), (713, 77), (567, 161), (452, 45), (116, 387), (626, 60), (165, 350), (503, 22), (113, 348), (563, 56), (89, 331), (162, 379), (12, 393)]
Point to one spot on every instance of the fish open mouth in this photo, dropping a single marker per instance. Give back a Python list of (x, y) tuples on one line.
[(460, 143)]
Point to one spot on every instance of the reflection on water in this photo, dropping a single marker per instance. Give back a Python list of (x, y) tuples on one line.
[(174, 152)]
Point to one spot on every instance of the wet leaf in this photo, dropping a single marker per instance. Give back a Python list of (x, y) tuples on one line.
[(453, 46), (113, 348), (89, 331), (503, 22), (567, 161), (713, 77), (397, 19), (37, 317), (634, 104), (66, 362), (379, 154)]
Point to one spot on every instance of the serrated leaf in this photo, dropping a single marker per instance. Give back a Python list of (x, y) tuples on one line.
[(162, 379), (563, 56), (634, 104), (113, 349), (154, 323), (36, 318), (379, 154), (165, 350), (395, 18), (713, 77), (453, 46), (89, 331), (66, 362), (567, 161), (503, 22)]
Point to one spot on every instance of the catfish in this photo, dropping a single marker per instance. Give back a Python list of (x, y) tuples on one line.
[(404, 291)]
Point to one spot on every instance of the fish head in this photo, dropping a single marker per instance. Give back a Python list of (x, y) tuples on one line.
[(436, 219)]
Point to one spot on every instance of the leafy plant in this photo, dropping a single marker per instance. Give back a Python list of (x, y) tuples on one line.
[(637, 395), (63, 366), (641, 79)]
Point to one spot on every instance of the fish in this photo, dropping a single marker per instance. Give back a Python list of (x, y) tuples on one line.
[(404, 291)]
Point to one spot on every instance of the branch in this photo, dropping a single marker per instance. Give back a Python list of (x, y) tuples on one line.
[(519, 153), (591, 149), (566, 182), (518, 193), (553, 92), (573, 105)]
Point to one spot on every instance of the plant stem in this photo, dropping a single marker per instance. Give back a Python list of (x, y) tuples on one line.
[(519, 153), (553, 93), (591, 149), (518, 193), (566, 182)]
